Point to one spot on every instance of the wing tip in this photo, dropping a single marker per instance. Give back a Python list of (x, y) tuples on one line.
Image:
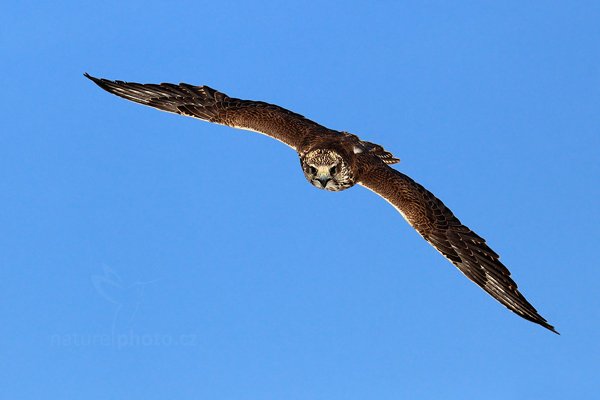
[(98, 81), (538, 319), (549, 327), (90, 77)]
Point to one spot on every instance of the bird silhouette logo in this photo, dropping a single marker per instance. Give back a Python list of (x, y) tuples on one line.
[(126, 297)]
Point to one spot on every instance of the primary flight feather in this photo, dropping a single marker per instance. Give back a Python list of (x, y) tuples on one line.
[(334, 161)]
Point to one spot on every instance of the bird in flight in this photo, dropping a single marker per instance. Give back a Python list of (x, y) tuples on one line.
[(335, 160)]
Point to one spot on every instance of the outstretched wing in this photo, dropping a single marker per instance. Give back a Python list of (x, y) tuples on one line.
[(210, 105), (463, 247)]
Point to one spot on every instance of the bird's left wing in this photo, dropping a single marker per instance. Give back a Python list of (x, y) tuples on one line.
[(459, 244), (210, 105)]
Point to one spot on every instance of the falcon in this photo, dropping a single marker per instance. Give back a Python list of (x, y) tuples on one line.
[(335, 160)]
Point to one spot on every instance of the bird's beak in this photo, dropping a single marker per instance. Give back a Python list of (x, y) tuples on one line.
[(323, 180)]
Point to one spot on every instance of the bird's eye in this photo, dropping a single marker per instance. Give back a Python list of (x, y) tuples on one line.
[(333, 170), (312, 170)]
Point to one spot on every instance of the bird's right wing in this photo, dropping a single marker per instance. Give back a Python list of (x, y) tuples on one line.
[(459, 244), (210, 105)]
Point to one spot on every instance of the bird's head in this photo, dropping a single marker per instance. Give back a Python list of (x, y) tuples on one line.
[(327, 169)]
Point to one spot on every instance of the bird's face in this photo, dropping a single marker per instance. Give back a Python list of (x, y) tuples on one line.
[(326, 169)]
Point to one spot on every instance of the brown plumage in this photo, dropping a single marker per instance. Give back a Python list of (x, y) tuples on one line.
[(334, 160)]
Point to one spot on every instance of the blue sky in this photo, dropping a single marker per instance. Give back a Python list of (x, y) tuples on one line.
[(150, 256)]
